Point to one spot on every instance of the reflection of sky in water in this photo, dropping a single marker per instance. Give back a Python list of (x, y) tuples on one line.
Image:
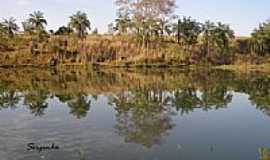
[(236, 131)]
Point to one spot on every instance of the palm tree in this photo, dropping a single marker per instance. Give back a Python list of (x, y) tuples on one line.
[(177, 30), (122, 24), (187, 31), (261, 39), (37, 20), (223, 34), (1, 28), (207, 36), (80, 23), (9, 26), (28, 27)]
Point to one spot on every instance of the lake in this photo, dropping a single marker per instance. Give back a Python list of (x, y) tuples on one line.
[(134, 114)]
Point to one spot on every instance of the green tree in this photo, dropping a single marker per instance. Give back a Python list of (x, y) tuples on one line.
[(261, 39), (63, 30), (9, 27), (80, 23), (79, 106), (37, 21), (215, 40), (208, 32), (223, 35), (187, 31)]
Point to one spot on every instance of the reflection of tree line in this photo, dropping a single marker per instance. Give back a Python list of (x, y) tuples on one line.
[(144, 116), (144, 101), (184, 90)]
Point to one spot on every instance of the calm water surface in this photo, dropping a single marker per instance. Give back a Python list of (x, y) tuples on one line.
[(134, 114)]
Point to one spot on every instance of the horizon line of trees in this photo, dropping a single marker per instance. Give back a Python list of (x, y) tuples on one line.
[(151, 21)]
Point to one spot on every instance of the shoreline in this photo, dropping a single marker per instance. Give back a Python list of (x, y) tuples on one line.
[(234, 67)]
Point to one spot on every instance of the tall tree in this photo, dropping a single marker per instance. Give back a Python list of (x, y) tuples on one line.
[(261, 39), (224, 34), (80, 23), (207, 30), (216, 38), (187, 31), (122, 24), (37, 21), (146, 15), (9, 26)]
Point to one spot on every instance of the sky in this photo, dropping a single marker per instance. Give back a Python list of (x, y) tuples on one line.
[(242, 15)]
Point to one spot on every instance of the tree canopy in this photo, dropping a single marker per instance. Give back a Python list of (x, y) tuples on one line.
[(80, 23)]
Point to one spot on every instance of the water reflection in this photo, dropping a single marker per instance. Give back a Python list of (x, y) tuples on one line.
[(144, 101), (142, 116), (136, 91)]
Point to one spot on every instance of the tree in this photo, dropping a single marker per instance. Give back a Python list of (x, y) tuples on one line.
[(168, 29), (37, 21), (261, 39), (28, 27), (187, 31), (80, 23), (122, 24), (2, 29), (9, 26), (216, 38), (63, 30), (111, 29), (148, 17), (207, 36), (95, 31), (223, 34)]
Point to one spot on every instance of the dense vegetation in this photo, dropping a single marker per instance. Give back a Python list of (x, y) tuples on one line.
[(145, 32)]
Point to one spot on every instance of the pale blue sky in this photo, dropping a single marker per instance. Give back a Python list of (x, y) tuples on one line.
[(242, 15)]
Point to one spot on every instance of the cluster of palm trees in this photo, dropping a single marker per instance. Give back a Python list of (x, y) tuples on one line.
[(36, 24)]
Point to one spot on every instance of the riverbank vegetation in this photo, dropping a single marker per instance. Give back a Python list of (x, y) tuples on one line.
[(145, 33)]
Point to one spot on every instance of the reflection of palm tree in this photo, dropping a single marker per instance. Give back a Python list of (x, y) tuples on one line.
[(64, 97), (37, 102), (79, 106), (185, 100), (142, 117), (216, 96), (260, 94), (9, 99)]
